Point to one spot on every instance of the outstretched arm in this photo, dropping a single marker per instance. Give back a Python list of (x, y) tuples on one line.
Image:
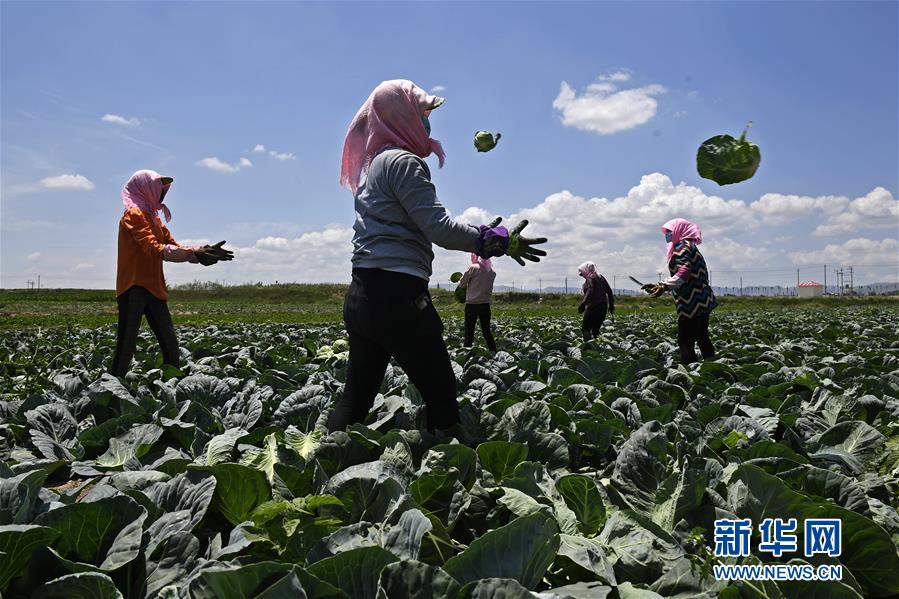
[(138, 225), (174, 251), (410, 180)]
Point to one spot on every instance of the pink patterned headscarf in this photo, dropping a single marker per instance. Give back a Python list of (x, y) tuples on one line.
[(681, 229), (586, 269), (144, 190), (390, 117), (485, 263)]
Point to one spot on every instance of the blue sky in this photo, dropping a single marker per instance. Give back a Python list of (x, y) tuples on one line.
[(98, 90)]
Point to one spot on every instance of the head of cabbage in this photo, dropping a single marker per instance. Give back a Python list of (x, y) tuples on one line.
[(726, 160), (484, 141)]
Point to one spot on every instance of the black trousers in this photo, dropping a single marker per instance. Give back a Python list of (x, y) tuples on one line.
[(389, 314), (594, 316), (134, 304), (691, 331), (478, 313)]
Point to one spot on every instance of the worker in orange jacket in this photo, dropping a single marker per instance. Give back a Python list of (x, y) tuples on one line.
[(144, 243)]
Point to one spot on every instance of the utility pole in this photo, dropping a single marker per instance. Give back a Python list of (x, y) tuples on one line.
[(741, 284), (797, 280), (566, 285), (540, 282), (660, 277), (39, 282), (851, 286), (614, 282), (825, 279)]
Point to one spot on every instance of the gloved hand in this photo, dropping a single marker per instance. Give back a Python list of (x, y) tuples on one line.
[(210, 254), (581, 308), (219, 252), (657, 290), (204, 258), (497, 241), (493, 240), (522, 248)]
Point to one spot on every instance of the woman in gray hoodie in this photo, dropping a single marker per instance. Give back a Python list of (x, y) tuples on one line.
[(388, 310)]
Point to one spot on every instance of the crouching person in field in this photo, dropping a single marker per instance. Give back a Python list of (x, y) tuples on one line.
[(388, 310), (598, 300), (478, 284), (144, 244)]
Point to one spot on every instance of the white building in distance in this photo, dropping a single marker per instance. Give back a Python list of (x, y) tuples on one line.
[(811, 289)]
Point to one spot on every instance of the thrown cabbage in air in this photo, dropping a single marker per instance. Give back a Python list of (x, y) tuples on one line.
[(726, 160), (484, 141)]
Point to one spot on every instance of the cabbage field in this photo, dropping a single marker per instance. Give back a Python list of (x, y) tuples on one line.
[(588, 471)]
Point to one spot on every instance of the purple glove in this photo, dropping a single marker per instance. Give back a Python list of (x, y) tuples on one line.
[(492, 242)]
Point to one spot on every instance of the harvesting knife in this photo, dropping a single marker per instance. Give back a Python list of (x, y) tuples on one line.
[(644, 286)]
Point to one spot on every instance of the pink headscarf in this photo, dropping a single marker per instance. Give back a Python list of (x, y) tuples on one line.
[(681, 229), (586, 269), (483, 262), (390, 117), (144, 190)]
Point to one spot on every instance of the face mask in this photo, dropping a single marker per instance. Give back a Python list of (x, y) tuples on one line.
[(427, 124), (669, 236)]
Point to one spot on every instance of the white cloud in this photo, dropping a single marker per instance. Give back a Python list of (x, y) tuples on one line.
[(438, 88), (877, 209), (779, 209), (679, 114), (34, 257), (316, 256), (82, 266), (621, 234), (213, 163), (74, 182), (852, 251), (620, 75), (261, 149), (842, 216), (605, 109), (282, 155), (120, 120)]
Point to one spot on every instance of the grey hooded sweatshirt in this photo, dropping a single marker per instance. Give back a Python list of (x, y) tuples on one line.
[(398, 217)]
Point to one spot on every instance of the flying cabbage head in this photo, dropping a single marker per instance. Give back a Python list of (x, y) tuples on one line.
[(726, 160), (484, 141)]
